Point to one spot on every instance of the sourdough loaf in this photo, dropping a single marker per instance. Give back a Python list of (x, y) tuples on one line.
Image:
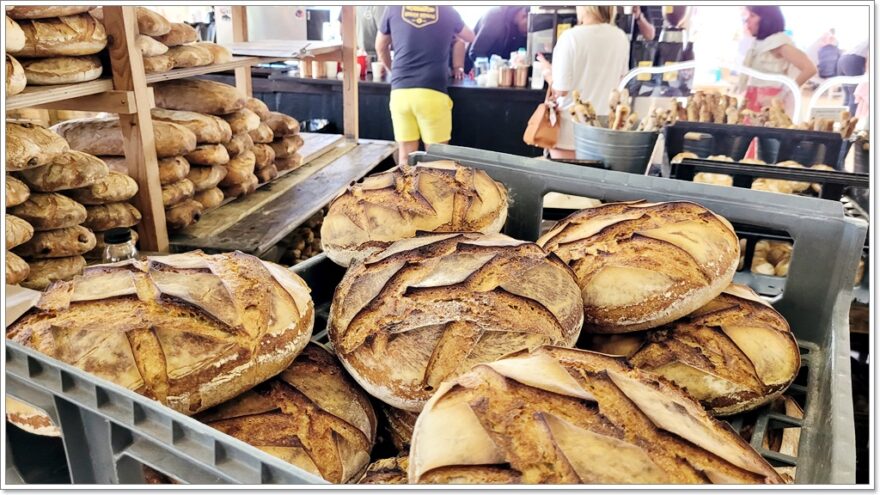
[(311, 415), (264, 156), (14, 36), (432, 197), (48, 211), (16, 79), (31, 145), (426, 309), (178, 192), (734, 354), (400, 425), (239, 169), (22, 12), (208, 155), (17, 192), (158, 64), (149, 47), (390, 471), (243, 120), (239, 144), (567, 416), (204, 178), (199, 95), (149, 23), (179, 34), (641, 265), (262, 134), (111, 215), (219, 54), (266, 174), (59, 243), (70, 35), (62, 70), (17, 269), (103, 136), (291, 162), (242, 189), (42, 273), (18, 231), (282, 125), (113, 188), (258, 107), (173, 169), (209, 198), (190, 56), (68, 170), (189, 330), (183, 214), (207, 128), (287, 146)]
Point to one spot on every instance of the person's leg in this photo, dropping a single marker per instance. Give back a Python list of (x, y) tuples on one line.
[(434, 115), (406, 128)]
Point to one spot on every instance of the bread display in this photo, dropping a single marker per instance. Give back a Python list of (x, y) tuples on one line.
[(14, 37), (287, 146), (262, 134), (239, 144), (242, 121), (149, 47), (110, 216), (243, 189), (292, 162), (641, 265), (208, 155), (771, 257), (17, 192), (60, 243), (180, 34), (42, 273), (158, 64), (207, 128), (178, 192), (305, 241), (16, 79), (67, 170), (173, 169), (207, 329), (149, 23), (17, 231), (209, 198), (31, 145), (49, 211), (62, 70), (282, 125), (17, 269), (264, 156), (113, 188), (311, 415), (389, 471), (431, 197), (567, 416), (266, 174), (204, 178), (190, 56), (103, 136), (183, 214), (239, 169), (22, 12), (199, 95), (71, 35), (219, 54), (458, 300), (258, 107)]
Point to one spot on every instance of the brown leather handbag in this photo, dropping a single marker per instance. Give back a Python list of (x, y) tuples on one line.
[(543, 128)]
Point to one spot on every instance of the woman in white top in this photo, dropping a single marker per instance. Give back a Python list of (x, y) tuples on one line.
[(773, 53), (590, 58)]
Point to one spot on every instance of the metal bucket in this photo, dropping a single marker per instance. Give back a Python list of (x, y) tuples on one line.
[(623, 151)]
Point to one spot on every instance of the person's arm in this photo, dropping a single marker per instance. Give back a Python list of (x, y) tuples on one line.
[(383, 49), (458, 49), (562, 68), (806, 68), (645, 27), (466, 34)]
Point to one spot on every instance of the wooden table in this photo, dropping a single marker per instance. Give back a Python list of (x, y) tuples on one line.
[(255, 223)]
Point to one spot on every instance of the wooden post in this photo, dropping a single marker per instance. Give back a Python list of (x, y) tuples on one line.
[(137, 128), (350, 73), (240, 34)]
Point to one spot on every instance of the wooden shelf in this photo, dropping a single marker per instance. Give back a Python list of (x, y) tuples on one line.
[(285, 49), (235, 63), (33, 96)]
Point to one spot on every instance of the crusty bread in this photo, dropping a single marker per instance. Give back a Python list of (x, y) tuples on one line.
[(149, 47), (71, 35), (111, 215), (239, 144), (258, 107), (208, 155), (22, 12), (149, 23), (158, 64), (183, 214), (239, 169), (62, 70), (567, 416), (113, 188), (400, 425), (199, 95), (31, 145), (48, 211), (29, 418), (204, 178), (173, 169), (641, 265), (180, 33), (60, 243), (311, 415), (209, 198), (243, 120), (287, 146), (291, 162), (189, 330), (266, 174), (264, 156), (16, 79), (190, 56), (14, 36), (207, 128), (282, 125), (103, 136), (17, 269), (734, 354), (431, 197), (714, 179), (428, 308), (17, 192), (220, 54), (176, 193), (390, 471), (42, 273), (18, 231), (262, 134), (243, 189), (68, 170)]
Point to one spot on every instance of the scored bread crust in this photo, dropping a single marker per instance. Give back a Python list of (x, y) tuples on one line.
[(641, 265), (432, 197), (389, 471), (567, 416), (189, 330), (68, 170), (428, 308), (31, 145), (17, 192)]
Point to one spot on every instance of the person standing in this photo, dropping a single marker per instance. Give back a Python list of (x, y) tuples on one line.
[(500, 31), (420, 107), (368, 19), (590, 58)]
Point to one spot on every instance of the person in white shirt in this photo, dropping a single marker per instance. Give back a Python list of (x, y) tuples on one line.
[(590, 58)]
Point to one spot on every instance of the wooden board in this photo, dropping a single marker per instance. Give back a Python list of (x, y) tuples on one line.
[(260, 229), (315, 145), (236, 62), (38, 95), (289, 49)]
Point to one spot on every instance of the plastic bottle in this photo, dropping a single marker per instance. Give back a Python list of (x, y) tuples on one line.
[(118, 246)]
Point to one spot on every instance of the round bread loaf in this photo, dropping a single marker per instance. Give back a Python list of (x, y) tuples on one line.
[(31, 145), (428, 308), (209, 198), (62, 70), (173, 169), (14, 37), (734, 354), (641, 265), (207, 128), (49, 211), (149, 23), (17, 192), (239, 144), (183, 214), (40, 12), (390, 471), (16, 79), (264, 156), (180, 33), (68, 170), (258, 107), (17, 269), (71, 35), (158, 64), (103, 136), (281, 124), (243, 120), (42, 273), (567, 416), (113, 188), (431, 197), (110, 216), (190, 56), (207, 329), (199, 95), (17, 231), (204, 178), (208, 155), (176, 193), (240, 169), (262, 134), (60, 243), (311, 415)]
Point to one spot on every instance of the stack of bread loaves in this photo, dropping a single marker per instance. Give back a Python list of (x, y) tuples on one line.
[(287, 141), (262, 136)]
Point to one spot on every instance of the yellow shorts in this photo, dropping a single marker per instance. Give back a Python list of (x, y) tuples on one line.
[(421, 113)]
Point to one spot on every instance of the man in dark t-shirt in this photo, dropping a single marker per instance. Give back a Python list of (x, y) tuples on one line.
[(420, 107)]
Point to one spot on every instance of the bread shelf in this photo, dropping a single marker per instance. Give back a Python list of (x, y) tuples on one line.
[(34, 96), (235, 63)]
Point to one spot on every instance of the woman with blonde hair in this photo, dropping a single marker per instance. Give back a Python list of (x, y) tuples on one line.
[(590, 58)]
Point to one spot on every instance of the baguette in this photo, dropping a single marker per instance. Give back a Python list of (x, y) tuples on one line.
[(44, 272), (49, 211), (179, 34), (149, 23), (60, 243), (18, 231), (207, 128), (16, 78), (149, 47), (68, 170), (183, 214), (17, 269), (199, 95), (62, 70), (242, 121), (14, 36), (17, 192), (103, 136), (173, 169), (158, 64), (205, 178), (209, 198), (22, 12), (62, 36), (190, 56), (31, 145), (219, 54), (258, 107), (177, 193), (110, 216), (208, 155), (262, 134), (239, 169)]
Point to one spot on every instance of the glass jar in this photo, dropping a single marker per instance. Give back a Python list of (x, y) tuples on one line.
[(118, 246)]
